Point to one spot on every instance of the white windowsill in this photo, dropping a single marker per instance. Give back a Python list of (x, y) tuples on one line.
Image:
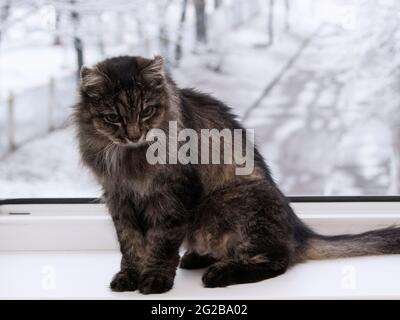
[(70, 251)]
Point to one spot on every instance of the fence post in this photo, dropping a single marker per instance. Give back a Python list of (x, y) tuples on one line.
[(51, 125), (11, 122), (394, 186)]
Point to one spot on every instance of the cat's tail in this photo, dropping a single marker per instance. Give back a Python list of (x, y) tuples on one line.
[(375, 242)]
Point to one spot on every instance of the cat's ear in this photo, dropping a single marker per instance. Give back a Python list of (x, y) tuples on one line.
[(153, 73), (92, 82)]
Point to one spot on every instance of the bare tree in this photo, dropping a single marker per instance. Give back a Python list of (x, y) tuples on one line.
[(57, 34), (178, 46), (201, 21), (4, 13), (271, 22), (163, 37), (78, 44), (287, 15)]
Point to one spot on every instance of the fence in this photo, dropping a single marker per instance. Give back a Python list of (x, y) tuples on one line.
[(35, 112)]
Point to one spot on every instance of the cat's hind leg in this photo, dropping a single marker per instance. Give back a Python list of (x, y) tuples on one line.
[(258, 244), (192, 260), (229, 272)]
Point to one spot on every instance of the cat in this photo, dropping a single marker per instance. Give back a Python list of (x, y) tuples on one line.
[(240, 227)]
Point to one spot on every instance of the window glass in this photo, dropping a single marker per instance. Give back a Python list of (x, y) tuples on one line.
[(317, 80)]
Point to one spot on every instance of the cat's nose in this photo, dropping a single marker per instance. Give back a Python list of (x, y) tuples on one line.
[(133, 133)]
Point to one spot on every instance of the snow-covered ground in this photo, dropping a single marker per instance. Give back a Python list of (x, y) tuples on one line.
[(46, 167), (328, 124)]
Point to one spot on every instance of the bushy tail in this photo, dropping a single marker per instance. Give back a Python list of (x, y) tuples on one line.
[(376, 242)]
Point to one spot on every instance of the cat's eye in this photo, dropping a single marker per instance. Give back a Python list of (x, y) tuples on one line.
[(147, 112), (112, 117)]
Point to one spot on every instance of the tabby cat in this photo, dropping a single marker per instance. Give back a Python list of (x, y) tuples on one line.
[(240, 227)]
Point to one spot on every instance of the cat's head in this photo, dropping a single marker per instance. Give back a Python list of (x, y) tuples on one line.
[(123, 98)]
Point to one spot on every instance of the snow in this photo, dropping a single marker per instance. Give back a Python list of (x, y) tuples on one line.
[(58, 61), (245, 67), (328, 126), (47, 167)]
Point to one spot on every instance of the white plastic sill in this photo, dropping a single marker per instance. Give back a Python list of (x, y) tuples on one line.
[(70, 251)]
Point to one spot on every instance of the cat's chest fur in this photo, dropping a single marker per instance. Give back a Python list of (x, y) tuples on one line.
[(127, 170)]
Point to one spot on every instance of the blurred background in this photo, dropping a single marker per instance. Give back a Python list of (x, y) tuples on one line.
[(318, 80)]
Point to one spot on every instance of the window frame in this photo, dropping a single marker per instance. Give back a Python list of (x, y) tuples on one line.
[(42, 224), (70, 234)]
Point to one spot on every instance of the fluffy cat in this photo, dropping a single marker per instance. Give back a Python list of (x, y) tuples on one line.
[(241, 227)]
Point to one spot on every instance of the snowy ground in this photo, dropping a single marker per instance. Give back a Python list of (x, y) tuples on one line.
[(329, 125), (46, 167)]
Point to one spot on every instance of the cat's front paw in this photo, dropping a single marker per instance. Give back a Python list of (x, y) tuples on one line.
[(155, 283), (124, 281)]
